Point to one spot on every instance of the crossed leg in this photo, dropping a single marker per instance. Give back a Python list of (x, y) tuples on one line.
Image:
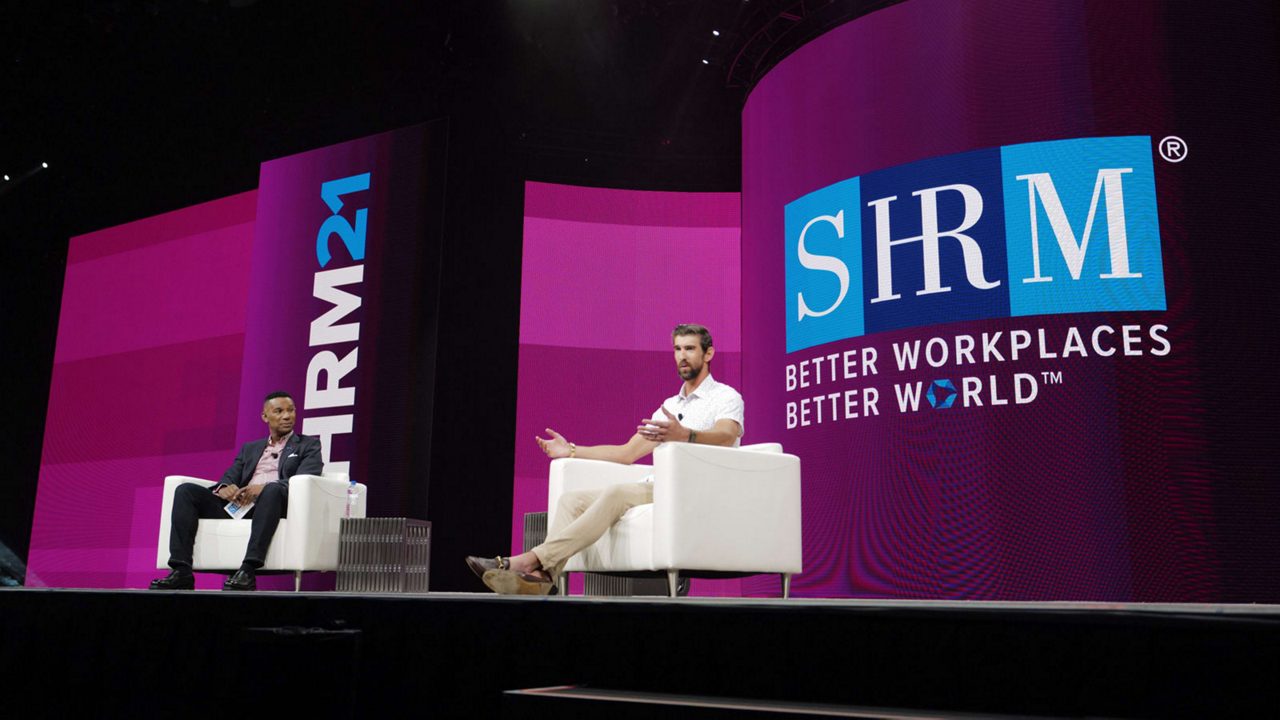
[(582, 517)]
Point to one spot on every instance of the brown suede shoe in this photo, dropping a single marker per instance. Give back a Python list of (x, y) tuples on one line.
[(510, 582)]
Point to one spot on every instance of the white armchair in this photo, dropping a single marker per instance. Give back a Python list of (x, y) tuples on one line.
[(306, 539), (716, 512)]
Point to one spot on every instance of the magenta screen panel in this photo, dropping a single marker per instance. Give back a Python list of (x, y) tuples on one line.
[(998, 275), (146, 377), (606, 275), (173, 328)]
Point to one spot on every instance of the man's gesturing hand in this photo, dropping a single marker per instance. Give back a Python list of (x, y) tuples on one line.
[(663, 430), (556, 447), (228, 492)]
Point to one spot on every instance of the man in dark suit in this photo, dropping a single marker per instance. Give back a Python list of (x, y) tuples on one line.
[(259, 475)]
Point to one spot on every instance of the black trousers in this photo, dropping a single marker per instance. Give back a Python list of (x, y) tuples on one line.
[(192, 502)]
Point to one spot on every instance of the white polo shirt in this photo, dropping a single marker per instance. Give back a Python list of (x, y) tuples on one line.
[(711, 402)]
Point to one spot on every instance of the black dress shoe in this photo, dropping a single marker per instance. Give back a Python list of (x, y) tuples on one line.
[(241, 580), (175, 580)]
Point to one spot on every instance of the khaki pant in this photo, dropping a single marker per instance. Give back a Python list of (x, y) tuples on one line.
[(583, 516)]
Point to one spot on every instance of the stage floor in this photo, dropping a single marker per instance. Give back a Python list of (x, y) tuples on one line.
[(351, 655), (852, 605)]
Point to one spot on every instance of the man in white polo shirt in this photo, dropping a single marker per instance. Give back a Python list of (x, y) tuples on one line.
[(704, 411)]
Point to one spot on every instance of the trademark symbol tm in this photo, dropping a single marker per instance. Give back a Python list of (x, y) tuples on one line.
[(1051, 377), (1173, 149)]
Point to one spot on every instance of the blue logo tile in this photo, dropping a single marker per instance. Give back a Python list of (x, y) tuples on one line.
[(1081, 226), (824, 266)]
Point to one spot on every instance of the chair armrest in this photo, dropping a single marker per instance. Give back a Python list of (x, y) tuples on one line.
[(316, 505), (312, 490), (718, 508), (314, 496), (171, 484), (570, 474)]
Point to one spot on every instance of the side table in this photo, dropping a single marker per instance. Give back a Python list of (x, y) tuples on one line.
[(383, 555)]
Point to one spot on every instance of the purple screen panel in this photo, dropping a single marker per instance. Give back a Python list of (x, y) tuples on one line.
[(957, 136)]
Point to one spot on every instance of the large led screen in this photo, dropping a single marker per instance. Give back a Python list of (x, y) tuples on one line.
[(173, 328), (606, 275), (1007, 300)]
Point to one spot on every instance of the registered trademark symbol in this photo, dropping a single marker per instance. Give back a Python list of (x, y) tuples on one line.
[(1173, 149)]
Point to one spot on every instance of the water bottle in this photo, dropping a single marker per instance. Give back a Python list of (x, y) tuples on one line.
[(353, 496)]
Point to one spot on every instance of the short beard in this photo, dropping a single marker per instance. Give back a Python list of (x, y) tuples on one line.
[(689, 373)]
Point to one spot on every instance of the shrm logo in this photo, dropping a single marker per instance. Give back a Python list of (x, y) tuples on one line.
[(1043, 228)]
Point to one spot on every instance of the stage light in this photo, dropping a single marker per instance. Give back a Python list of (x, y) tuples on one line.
[(6, 178), (705, 61), (716, 33), (44, 165)]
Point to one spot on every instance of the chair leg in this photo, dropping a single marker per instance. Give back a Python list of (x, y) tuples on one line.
[(297, 580), (673, 582), (562, 584), (786, 585)]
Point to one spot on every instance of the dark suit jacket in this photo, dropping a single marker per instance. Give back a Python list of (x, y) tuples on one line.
[(301, 456)]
